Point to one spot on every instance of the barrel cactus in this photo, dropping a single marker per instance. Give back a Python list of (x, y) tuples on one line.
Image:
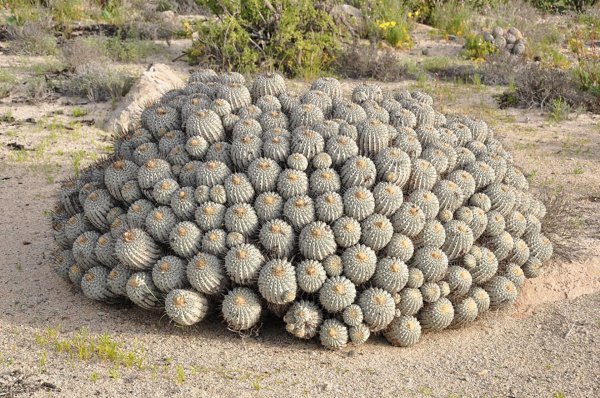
[(344, 217), (510, 40)]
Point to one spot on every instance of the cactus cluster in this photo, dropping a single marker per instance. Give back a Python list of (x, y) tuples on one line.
[(510, 40), (344, 217)]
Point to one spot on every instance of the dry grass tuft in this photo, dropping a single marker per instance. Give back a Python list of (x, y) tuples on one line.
[(565, 225), (367, 62), (98, 82), (32, 38)]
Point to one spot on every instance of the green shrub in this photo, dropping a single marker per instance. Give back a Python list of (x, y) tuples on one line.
[(388, 20), (293, 36), (587, 72), (560, 6), (453, 17), (559, 109), (587, 69), (476, 48), (79, 112)]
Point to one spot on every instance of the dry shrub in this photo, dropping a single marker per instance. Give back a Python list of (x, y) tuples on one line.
[(98, 82), (91, 72), (37, 89), (501, 69), (537, 86), (367, 62), (565, 225), (79, 52), (32, 38)]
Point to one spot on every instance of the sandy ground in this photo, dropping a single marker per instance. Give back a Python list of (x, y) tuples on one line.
[(547, 345)]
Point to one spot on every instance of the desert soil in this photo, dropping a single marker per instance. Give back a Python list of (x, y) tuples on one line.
[(544, 346)]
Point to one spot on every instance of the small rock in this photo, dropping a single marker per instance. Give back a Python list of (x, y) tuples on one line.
[(452, 38), (425, 51), (155, 81)]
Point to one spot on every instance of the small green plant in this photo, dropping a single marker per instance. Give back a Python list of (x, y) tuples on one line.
[(578, 171), (113, 373), (7, 117), (256, 385), (425, 390), (477, 49), (79, 112), (510, 97), (85, 347), (559, 109), (397, 35), (559, 395), (78, 157), (180, 374), (94, 377), (553, 58), (43, 357), (19, 155), (388, 20), (532, 176)]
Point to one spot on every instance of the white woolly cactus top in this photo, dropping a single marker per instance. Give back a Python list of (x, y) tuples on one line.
[(344, 216)]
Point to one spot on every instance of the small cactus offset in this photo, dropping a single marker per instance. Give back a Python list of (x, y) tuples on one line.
[(345, 216)]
